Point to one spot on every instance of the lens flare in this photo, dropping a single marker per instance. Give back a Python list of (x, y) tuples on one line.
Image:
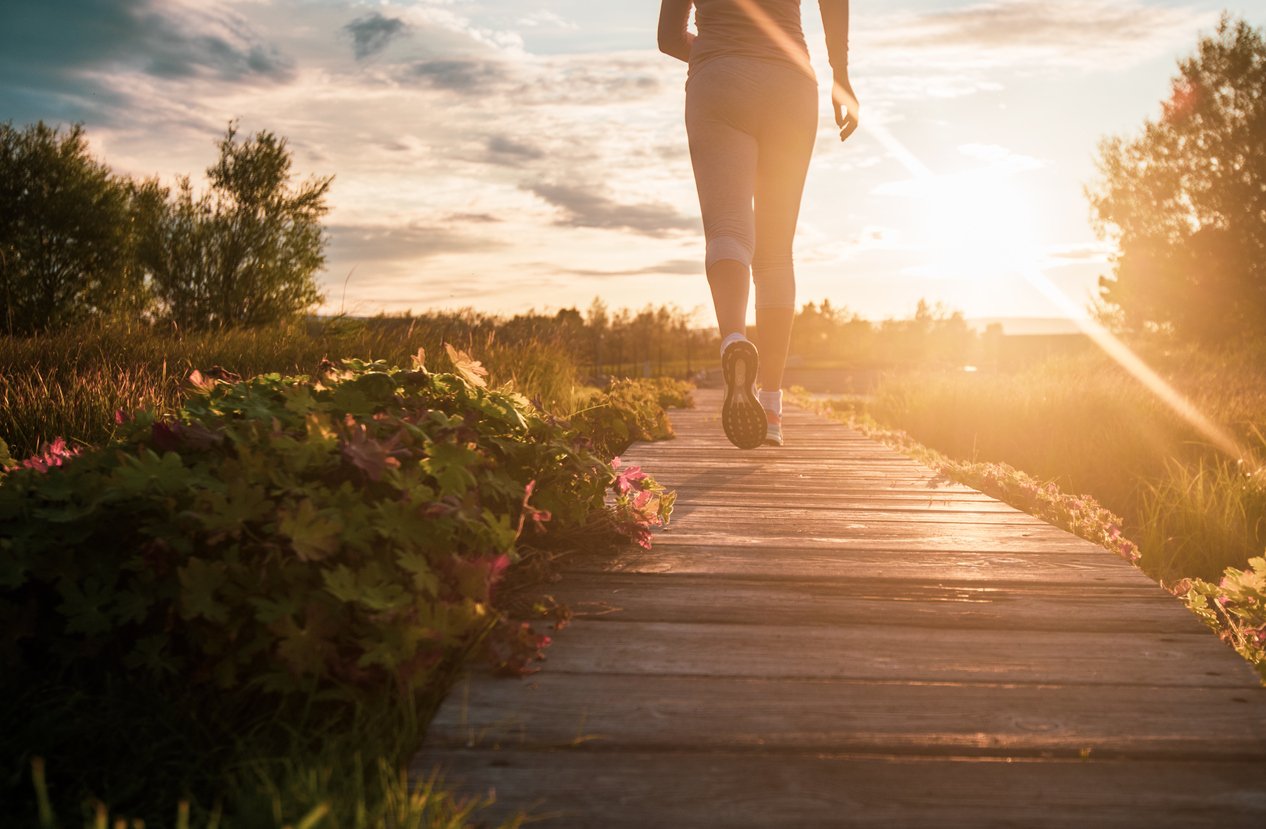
[(1101, 336)]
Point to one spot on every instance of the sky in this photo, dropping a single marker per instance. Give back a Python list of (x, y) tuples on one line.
[(509, 155)]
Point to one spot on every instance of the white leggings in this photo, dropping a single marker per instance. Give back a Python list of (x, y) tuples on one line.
[(751, 125)]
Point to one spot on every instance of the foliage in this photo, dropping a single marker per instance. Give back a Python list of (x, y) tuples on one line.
[(332, 791), (629, 410), (67, 236), (1081, 515), (247, 251), (671, 393), (1202, 516), (1090, 426), (1185, 197), (1235, 607), (281, 538), (347, 532), (1084, 422)]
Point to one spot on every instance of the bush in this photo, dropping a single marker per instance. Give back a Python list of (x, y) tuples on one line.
[(284, 538), (1235, 607), (626, 411)]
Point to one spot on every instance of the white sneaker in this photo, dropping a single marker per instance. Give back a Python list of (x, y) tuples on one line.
[(773, 428)]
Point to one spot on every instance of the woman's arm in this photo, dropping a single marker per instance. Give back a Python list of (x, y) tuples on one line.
[(835, 24), (674, 39)]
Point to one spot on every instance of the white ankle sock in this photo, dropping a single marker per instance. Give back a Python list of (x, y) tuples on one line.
[(771, 401), (731, 338)]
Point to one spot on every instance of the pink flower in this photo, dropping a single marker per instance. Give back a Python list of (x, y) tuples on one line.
[(53, 454), (628, 479)]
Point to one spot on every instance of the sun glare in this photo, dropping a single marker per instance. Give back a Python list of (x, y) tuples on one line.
[(1022, 254), (976, 225)]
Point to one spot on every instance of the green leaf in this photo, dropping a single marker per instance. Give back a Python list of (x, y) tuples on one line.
[(84, 605), (450, 465), (313, 533), (471, 370), (199, 582)]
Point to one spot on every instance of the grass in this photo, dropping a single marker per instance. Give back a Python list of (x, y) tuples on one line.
[(1087, 425), (335, 768), (71, 383)]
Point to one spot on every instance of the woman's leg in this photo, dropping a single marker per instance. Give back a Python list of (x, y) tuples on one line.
[(724, 159), (729, 281), (786, 143)]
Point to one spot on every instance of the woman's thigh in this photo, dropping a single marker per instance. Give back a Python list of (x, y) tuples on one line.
[(724, 153), (785, 146)]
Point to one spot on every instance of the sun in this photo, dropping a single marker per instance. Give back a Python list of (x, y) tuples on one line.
[(978, 226)]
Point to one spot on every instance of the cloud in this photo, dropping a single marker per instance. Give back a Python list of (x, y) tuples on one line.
[(473, 218), (74, 51), (670, 267), (1029, 34), (372, 32), (374, 243), (501, 149), (1079, 253), (548, 20), (582, 207), (1000, 158), (459, 74)]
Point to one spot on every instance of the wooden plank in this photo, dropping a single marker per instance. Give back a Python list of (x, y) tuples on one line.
[(896, 504), (1087, 566), (837, 602), (674, 713), (584, 788), (741, 514), (930, 538), (898, 652)]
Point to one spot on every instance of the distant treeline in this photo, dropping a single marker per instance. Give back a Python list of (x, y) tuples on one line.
[(667, 340)]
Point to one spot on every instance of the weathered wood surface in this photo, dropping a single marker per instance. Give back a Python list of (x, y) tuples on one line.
[(830, 635)]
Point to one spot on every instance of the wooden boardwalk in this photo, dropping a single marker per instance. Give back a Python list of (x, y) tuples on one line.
[(825, 637)]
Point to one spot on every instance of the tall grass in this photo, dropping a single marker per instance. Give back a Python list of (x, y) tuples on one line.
[(1089, 426), (70, 384), (1200, 518)]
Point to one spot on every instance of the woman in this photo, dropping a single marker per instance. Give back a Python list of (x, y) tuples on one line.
[(751, 118)]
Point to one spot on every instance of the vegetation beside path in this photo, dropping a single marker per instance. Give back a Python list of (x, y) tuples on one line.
[(246, 596), (1157, 492)]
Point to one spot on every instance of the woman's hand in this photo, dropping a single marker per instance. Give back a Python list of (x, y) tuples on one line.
[(846, 105), (674, 37)]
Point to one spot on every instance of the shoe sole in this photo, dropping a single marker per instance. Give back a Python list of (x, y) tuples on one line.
[(741, 414)]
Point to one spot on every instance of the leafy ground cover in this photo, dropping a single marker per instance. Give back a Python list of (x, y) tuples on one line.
[(250, 602)]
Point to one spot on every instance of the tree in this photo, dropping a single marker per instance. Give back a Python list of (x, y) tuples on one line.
[(67, 240), (1186, 199), (247, 251)]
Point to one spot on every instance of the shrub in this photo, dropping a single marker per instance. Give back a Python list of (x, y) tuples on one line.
[(279, 555), (282, 533), (628, 410), (1235, 608)]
